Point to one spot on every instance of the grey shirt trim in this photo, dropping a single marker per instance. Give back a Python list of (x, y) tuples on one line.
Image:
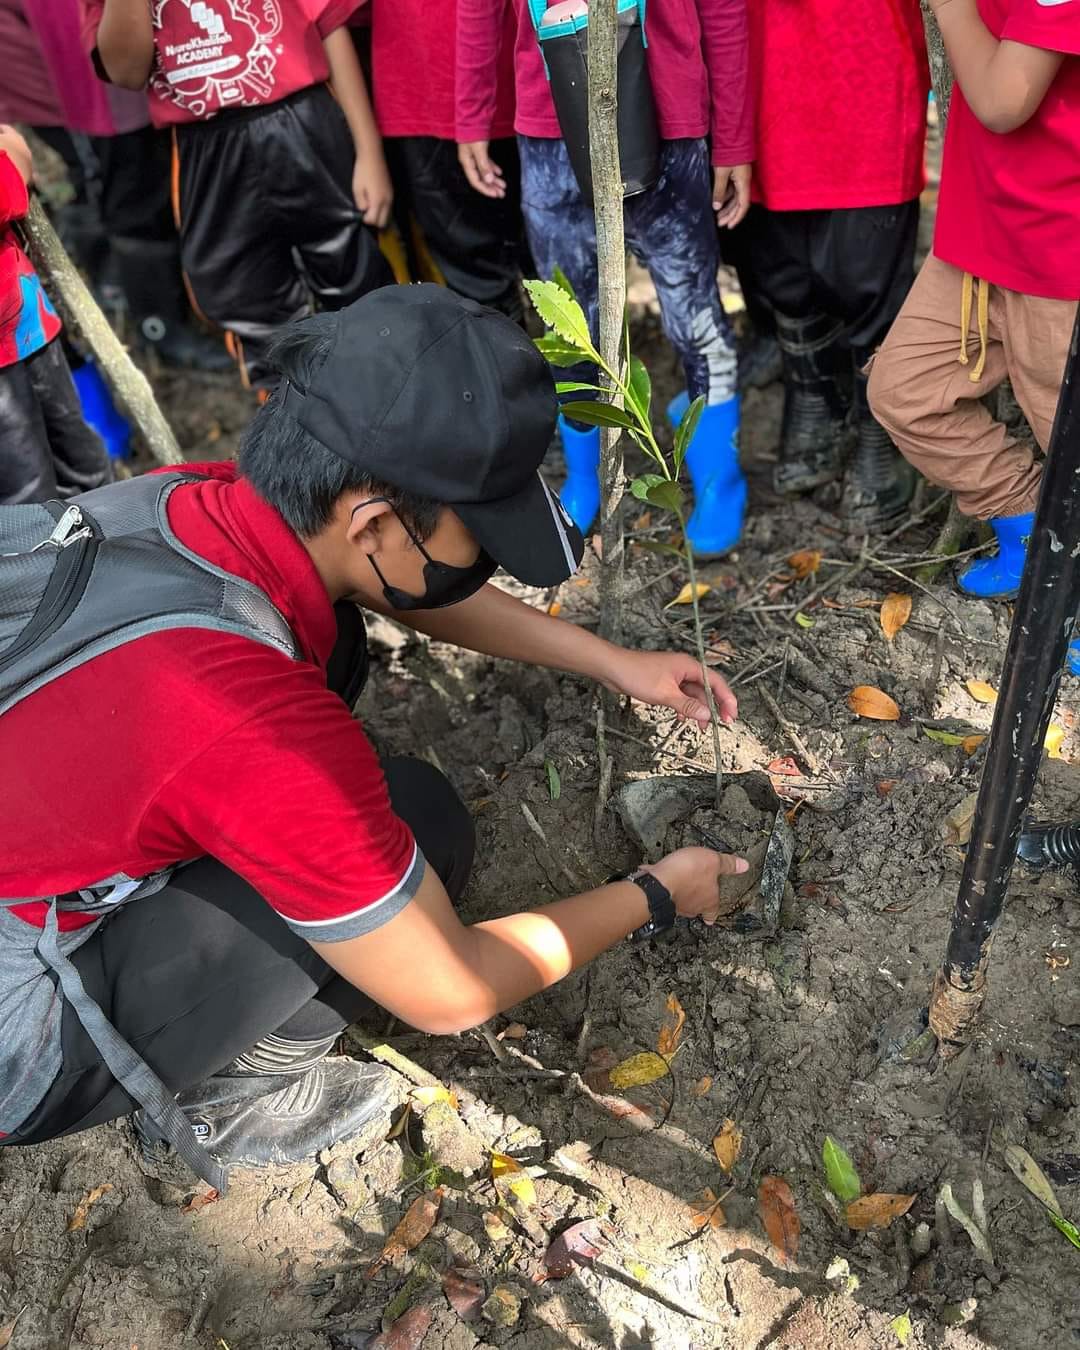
[(371, 916)]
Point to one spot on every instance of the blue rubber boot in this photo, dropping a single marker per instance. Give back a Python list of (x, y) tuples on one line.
[(676, 409), (998, 578), (581, 492), (100, 412), (719, 487)]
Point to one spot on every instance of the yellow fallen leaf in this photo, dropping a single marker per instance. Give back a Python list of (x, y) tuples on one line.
[(980, 691), (877, 1211), (671, 1028), (895, 612), (971, 743), (509, 1170), (638, 1070), (686, 595), (82, 1209), (866, 701), (806, 562), (727, 1145), (428, 1096), (1055, 738)]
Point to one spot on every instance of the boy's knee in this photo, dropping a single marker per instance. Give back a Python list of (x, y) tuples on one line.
[(881, 389), (440, 821)]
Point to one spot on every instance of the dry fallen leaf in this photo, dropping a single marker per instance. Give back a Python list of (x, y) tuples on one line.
[(895, 612), (555, 608), (785, 767), (638, 1070), (971, 743), (82, 1209), (407, 1332), (516, 1031), (6, 1333), (412, 1229), (686, 595), (727, 1145), (495, 1225), (429, 1096), (777, 1206), (805, 563), (671, 1028), (703, 1085), (707, 1210), (199, 1201), (956, 828), (1055, 738), (866, 701), (1028, 1172), (885, 786), (877, 1211), (464, 1295), (601, 1060), (509, 1170), (980, 691), (578, 1245)]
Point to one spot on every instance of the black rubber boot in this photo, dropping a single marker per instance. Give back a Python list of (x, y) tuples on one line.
[(812, 439), (879, 482), (149, 271), (279, 1103), (760, 362)]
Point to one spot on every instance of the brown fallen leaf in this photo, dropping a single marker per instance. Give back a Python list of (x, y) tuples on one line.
[(412, 1229), (971, 743), (82, 1209), (877, 1211), (980, 691), (578, 1245), (707, 1211), (703, 1085), (895, 612), (786, 767), (199, 1201), (464, 1295), (516, 1031), (885, 786), (956, 827), (8, 1330), (406, 1333), (806, 562), (866, 701), (777, 1205), (671, 1028), (596, 1074), (727, 1145)]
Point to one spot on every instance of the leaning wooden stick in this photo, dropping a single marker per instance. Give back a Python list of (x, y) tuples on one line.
[(81, 313)]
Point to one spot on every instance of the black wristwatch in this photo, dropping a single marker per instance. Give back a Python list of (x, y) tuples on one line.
[(661, 905)]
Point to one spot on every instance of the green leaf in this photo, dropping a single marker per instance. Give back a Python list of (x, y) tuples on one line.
[(1064, 1226), (556, 352), (561, 313), (945, 737), (576, 387), (840, 1174), (686, 428), (666, 494), (902, 1326), (561, 280), (804, 620), (640, 387), (641, 485), (554, 782), (598, 414)]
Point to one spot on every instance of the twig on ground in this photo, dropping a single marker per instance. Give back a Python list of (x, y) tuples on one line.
[(934, 679), (493, 1043), (912, 581), (606, 763), (199, 1315), (796, 740), (553, 857)]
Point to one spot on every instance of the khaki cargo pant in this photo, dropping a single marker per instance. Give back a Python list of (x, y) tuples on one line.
[(953, 342)]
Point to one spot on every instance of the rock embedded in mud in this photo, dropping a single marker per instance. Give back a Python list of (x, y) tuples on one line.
[(649, 806), (503, 1307)]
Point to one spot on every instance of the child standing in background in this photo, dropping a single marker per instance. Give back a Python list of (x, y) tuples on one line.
[(698, 63), (276, 180)]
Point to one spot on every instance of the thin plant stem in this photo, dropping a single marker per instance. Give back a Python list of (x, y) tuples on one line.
[(699, 638)]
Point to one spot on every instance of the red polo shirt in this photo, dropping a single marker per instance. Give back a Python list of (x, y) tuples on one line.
[(189, 743), (1009, 204)]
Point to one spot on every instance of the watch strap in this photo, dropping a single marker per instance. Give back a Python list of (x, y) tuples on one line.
[(661, 905)]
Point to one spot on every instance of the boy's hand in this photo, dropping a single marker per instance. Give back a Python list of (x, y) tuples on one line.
[(693, 876), (483, 173), (372, 190), (671, 680), (731, 194), (18, 151)]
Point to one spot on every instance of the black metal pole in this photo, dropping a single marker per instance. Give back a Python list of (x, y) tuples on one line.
[(1042, 627)]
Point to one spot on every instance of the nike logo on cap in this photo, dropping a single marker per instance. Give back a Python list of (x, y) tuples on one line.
[(1048, 3)]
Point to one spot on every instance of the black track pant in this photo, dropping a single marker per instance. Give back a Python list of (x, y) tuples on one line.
[(476, 242), (854, 266), (46, 448), (194, 975), (267, 219)]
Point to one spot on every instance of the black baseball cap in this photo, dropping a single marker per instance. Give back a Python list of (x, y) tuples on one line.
[(441, 396)]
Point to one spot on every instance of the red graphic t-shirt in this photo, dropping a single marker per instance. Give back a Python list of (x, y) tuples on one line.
[(27, 318), (1009, 204), (217, 54)]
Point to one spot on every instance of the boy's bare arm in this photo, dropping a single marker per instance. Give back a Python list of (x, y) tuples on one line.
[(1003, 82), (125, 42), (12, 143), (372, 190)]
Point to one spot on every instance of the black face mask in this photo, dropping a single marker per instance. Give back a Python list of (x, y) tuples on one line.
[(444, 584)]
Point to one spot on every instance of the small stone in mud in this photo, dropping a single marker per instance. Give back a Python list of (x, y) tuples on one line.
[(649, 806), (957, 1314), (503, 1306)]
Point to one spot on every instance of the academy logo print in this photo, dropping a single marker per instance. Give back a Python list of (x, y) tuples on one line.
[(216, 54)]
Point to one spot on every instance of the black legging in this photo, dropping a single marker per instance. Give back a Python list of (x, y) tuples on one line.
[(194, 975)]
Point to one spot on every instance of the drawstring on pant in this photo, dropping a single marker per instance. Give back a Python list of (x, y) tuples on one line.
[(983, 311)]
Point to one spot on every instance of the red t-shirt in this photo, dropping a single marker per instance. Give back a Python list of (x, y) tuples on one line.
[(1009, 205), (841, 102), (413, 57), (189, 743), (231, 53), (699, 64), (27, 318)]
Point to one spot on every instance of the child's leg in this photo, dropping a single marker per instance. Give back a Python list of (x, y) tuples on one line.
[(307, 157), (930, 406), (1036, 336), (238, 263), (26, 469), (80, 460)]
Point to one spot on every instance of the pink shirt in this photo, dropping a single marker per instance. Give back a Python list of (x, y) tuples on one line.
[(699, 64), (1009, 204)]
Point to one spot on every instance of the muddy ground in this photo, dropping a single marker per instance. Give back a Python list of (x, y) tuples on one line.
[(792, 1033)]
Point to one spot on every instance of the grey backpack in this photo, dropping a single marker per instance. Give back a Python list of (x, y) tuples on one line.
[(77, 579)]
